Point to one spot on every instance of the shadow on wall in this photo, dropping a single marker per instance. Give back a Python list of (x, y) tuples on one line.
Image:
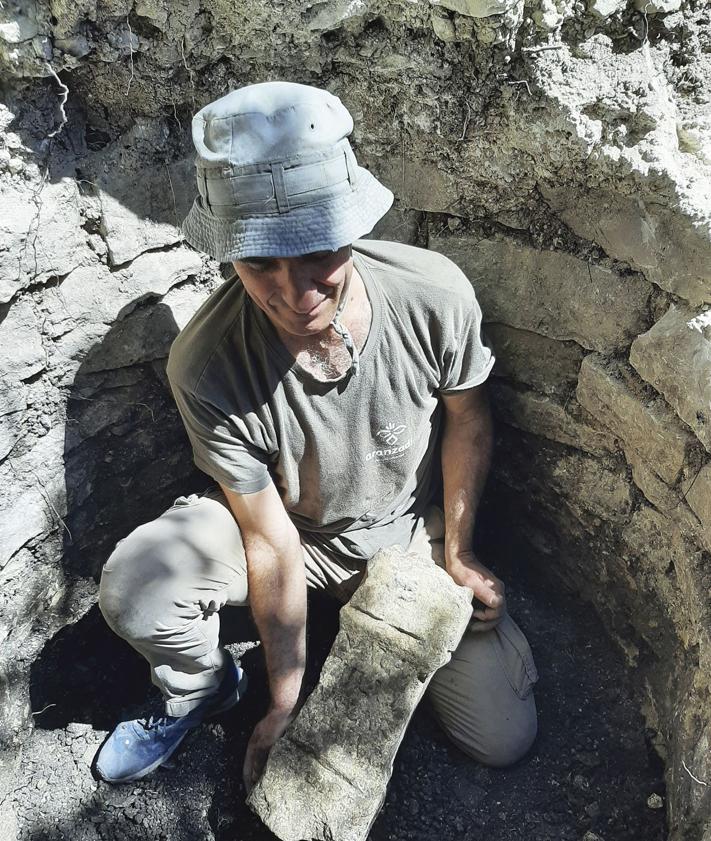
[(126, 459)]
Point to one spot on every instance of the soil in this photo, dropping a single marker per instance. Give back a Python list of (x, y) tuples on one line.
[(590, 774)]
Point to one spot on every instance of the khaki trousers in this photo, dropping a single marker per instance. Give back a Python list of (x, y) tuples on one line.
[(156, 577)]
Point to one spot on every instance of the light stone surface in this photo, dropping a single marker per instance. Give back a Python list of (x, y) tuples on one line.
[(669, 250), (23, 354), (674, 356), (605, 8), (653, 7), (94, 294), (142, 211), (476, 8), (609, 391), (40, 234), (548, 292), (326, 777)]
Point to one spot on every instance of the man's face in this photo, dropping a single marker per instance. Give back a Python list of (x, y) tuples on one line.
[(298, 294)]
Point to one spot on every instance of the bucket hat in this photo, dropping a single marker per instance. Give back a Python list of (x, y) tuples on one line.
[(277, 176)]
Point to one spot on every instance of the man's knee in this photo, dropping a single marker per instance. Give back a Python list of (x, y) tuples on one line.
[(126, 604), (484, 696), (508, 742)]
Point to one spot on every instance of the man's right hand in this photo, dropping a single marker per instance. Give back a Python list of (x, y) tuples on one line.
[(265, 734), (276, 581)]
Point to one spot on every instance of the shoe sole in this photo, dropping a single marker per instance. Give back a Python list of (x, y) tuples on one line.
[(227, 704)]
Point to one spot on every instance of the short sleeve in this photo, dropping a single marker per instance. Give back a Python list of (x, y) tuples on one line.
[(466, 357), (220, 445)]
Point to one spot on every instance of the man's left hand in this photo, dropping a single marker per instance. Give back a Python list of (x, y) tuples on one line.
[(265, 734), (466, 570)]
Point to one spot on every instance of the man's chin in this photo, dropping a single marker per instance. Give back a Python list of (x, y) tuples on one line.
[(308, 326)]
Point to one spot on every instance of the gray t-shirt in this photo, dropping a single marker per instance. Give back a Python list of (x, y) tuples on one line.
[(354, 459)]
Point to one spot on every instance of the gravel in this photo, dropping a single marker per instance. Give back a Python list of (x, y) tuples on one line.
[(591, 775)]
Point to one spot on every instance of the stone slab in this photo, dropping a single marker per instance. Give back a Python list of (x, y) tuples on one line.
[(96, 294), (542, 415), (550, 292), (673, 569), (607, 389), (38, 498), (326, 777), (674, 356), (673, 503), (698, 495), (547, 365), (661, 242), (418, 183)]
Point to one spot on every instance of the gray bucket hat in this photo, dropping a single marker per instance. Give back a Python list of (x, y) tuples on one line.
[(277, 177)]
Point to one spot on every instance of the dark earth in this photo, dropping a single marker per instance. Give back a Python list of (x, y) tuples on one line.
[(591, 774)]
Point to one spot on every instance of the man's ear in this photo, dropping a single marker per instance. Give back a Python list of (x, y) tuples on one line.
[(228, 271)]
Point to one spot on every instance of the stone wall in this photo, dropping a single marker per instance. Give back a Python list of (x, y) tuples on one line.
[(559, 152)]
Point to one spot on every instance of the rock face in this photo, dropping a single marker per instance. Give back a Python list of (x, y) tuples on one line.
[(326, 777), (559, 151)]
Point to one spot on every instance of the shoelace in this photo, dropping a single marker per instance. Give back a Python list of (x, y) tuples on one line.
[(159, 723)]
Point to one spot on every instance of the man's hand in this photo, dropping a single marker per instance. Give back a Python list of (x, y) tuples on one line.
[(265, 734), (465, 569), (276, 580)]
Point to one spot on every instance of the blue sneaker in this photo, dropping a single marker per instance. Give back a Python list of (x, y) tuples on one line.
[(137, 747)]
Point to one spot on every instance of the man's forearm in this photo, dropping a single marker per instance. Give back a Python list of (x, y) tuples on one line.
[(467, 445), (277, 597)]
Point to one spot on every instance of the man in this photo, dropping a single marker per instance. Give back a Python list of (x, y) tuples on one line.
[(322, 388)]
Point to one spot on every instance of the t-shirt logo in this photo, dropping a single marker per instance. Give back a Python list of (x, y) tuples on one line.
[(390, 436), (391, 433)]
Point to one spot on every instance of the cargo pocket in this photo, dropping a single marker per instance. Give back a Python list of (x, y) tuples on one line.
[(514, 654)]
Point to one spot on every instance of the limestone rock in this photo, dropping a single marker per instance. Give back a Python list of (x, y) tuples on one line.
[(335, 13), (544, 416), (94, 294), (143, 211), (547, 365), (59, 248), (671, 249), (653, 7), (398, 225), (550, 292), (675, 357), (443, 27), (476, 8), (605, 8), (418, 183), (698, 495), (588, 486), (647, 424), (39, 497), (21, 341), (674, 569), (326, 777)]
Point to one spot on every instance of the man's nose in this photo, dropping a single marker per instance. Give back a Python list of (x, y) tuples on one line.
[(302, 293)]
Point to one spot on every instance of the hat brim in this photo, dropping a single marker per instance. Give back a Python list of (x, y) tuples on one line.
[(325, 226)]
